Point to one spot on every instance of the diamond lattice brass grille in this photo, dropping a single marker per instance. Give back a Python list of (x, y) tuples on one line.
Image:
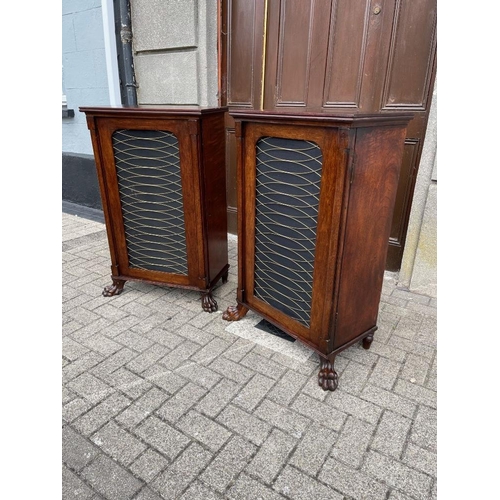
[(287, 200), (149, 183)]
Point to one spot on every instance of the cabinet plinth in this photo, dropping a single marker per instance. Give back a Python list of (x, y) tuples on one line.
[(316, 195), (162, 180)]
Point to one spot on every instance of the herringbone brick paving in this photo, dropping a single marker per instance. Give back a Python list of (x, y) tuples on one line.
[(160, 401)]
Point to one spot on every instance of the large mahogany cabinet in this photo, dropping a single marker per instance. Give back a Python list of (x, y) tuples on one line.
[(162, 177), (316, 194)]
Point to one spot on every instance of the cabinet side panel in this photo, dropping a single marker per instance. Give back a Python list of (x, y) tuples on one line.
[(93, 125), (377, 163), (214, 186)]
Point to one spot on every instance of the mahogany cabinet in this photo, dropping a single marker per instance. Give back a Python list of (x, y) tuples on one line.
[(316, 194), (162, 178)]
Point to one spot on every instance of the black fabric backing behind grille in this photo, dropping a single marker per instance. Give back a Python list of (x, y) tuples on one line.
[(267, 327), (149, 182), (287, 200)]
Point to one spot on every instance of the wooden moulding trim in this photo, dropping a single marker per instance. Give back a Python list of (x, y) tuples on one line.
[(152, 111), (353, 341), (161, 283), (311, 345), (324, 119)]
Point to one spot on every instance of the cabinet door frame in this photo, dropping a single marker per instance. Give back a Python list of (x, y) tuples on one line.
[(190, 193), (331, 142)]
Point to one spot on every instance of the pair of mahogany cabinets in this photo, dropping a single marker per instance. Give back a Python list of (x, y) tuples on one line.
[(315, 199)]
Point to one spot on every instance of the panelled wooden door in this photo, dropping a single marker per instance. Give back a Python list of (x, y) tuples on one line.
[(332, 55)]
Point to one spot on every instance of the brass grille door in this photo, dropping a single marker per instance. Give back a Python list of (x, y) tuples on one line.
[(149, 183), (288, 220), (288, 178)]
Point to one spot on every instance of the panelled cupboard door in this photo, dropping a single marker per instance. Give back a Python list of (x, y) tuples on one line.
[(151, 190), (334, 56)]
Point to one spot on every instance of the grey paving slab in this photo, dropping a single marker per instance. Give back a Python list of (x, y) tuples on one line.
[(228, 464), (118, 443), (421, 459), (353, 441), (265, 366), (149, 465), (247, 488), (73, 488), (90, 387), (416, 393), (283, 418), (181, 402), (314, 410), (298, 486), (81, 366), (352, 405), (204, 430), (398, 475), (162, 436), (147, 494), (351, 482), (287, 387), (424, 429), (128, 382), (354, 377), (392, 434), (166, 380), (97, 416), (253, 392), (313, 449), (389, 400), (77, 451), (141, 408), (271, 456), (199, 374), (245, 424), (111, 480), (218, 398), (232, 370), (181, 473), (385, 373), (162, 400), (198, 491)]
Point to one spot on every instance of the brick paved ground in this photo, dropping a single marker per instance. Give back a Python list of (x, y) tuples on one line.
[(161, 401)]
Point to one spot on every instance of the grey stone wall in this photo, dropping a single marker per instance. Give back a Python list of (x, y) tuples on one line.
[(175, 51), (419, 266)]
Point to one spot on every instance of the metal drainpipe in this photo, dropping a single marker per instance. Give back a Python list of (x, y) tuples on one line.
[(128, 60)]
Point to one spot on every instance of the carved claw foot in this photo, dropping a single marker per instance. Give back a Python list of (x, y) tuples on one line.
[(208, 303), (367, 341), (115, 289), (234, 313), (328, 378)]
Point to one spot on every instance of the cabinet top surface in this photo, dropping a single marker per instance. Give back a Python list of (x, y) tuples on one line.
[(151, 110), (323, 118)]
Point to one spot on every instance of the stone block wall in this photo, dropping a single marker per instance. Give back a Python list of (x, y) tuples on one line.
[(175, 51), (419, 266)]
